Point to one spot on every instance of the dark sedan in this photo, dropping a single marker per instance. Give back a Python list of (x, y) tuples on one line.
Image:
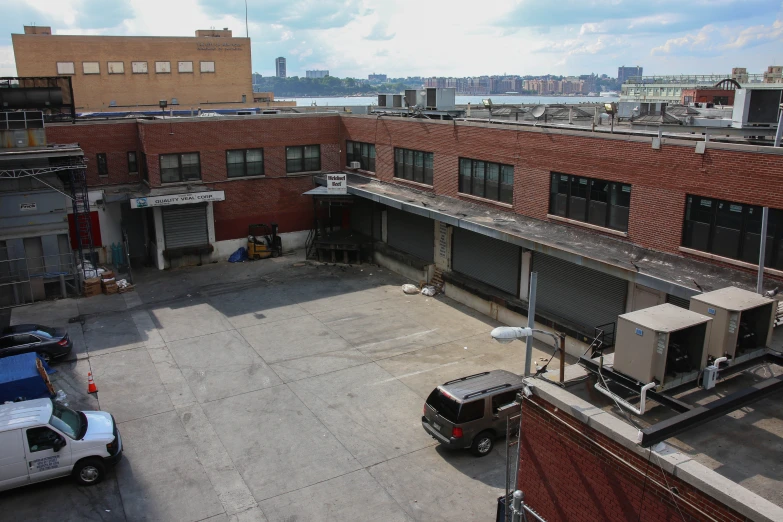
[(49, 343)]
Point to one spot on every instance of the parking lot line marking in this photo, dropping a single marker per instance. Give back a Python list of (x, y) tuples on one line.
[(417, 334)]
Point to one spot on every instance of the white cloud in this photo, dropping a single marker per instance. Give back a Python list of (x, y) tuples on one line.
[(717, 40)]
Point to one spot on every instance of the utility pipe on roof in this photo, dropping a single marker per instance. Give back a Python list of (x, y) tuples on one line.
[(627, 405)]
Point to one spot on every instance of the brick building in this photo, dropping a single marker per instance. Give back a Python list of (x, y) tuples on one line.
[(119, 73)]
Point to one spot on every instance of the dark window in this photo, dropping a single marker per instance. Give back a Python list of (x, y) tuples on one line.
[(103, 167), (133, 164), (246, 162), (363, 153), (21, 339), (471, 411), (732, 230), (487, 180), (40, 439), (414, 165), (502, 399), (180, 167), (305, 158), (446, 406), (598, 202)]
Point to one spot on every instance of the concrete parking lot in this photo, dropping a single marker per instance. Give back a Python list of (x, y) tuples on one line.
[(277, 390)]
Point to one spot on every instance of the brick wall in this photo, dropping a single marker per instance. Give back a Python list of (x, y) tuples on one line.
[(580, 476), (660, 178)]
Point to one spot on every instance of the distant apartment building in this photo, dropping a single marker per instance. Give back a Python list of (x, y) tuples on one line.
[(380, 78), (739, 74), (280, 71), (773, 74), (120, 73), (623, 73), (317, 73)]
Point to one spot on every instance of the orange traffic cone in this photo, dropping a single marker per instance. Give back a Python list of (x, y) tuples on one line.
[(91, 388)]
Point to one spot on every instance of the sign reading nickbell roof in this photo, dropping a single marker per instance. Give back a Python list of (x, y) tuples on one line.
[(337, 183), (178, 199)]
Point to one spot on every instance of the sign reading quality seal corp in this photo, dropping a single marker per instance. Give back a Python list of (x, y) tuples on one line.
[(178, 199)]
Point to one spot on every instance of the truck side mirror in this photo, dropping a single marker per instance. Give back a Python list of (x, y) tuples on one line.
[(58, 445)]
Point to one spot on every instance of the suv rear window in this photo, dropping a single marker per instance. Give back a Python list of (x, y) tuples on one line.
[(452, 411)]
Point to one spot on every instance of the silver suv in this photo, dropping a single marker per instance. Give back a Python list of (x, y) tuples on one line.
[(471, 412)]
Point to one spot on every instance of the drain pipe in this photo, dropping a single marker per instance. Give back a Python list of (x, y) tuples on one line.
[(625, 404)]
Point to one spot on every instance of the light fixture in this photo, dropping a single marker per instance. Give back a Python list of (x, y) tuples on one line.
[(163, 104), (506, 334)]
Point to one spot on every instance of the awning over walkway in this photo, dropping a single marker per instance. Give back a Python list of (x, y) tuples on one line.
[(675, 275)]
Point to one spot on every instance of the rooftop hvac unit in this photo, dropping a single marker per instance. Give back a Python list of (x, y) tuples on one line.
[(663, 344), (756, 107), (387, 100), (441, 99), (397, 101), (742, 322)]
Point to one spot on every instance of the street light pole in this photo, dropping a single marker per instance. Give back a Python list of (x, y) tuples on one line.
[(531, 320)]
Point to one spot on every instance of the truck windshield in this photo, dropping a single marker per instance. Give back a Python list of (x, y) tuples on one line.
[(66, 420)]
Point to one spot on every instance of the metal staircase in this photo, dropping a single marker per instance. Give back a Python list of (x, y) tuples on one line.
[(81, 216)]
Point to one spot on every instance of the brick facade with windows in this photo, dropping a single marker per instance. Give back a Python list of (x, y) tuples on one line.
[(576, 473)]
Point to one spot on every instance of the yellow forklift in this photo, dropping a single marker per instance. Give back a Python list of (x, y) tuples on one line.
[(263, 241)]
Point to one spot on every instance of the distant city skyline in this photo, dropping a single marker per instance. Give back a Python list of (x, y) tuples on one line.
[(354, 38)]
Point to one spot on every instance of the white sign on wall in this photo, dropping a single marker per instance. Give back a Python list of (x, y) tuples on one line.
[(178, 199), (337, 183), (28, 206)]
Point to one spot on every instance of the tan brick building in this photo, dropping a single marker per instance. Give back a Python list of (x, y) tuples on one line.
[(118, 73)]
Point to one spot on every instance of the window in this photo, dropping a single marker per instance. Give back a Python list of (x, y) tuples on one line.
[(115, 67), (364, 153), (601, 203), (133, 164), (487, 180), (503, 399), (305, 158), (162, 67), (40, 439), (249, 162), (139, 67), (414, 165), (65, 68), (732, 230), (185, 67), (207, 67), (471, 411), (180, 167), (91, 68), (103, 166)]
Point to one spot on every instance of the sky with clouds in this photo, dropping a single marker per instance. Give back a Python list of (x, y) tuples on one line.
[(443, 37)]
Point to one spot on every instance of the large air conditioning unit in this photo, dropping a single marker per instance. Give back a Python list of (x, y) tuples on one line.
[(742, 322), (386, 101), (663, 344), (441, 99), (757, 107), (415, 97)]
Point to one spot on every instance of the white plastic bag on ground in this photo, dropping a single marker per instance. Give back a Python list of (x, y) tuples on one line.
[(410, 289), (429, 291)]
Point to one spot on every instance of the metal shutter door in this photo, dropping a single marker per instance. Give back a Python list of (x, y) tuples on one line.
[(487, 259), (582, 296), (362, 218), (411, 233), (185, 226)]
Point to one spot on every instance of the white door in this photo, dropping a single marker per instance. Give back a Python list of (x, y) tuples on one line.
[(13, 465), (43, 462)]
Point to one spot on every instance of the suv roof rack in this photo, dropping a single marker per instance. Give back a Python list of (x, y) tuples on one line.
[(465, 378), (488, 390)]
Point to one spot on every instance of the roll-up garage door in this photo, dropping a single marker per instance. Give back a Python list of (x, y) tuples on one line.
[(366, 218), (411, 233), (185, 226), (487, 259), (582, 296)]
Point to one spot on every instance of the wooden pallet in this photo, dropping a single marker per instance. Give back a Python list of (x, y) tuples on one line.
[(45, 376)]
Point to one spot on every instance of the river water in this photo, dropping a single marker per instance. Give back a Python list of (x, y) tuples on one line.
[(340, 101)]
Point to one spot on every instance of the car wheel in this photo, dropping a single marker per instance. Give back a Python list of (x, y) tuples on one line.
[(483, 444), (89, 471), (46, 357)]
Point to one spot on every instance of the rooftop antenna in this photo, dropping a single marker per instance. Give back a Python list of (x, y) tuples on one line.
[(537, 112), (247, 31)]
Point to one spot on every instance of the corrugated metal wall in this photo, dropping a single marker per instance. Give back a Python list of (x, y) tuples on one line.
[(185, 226), (487, 259), (411, 233), (582, 296)]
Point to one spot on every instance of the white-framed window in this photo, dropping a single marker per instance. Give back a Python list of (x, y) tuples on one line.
[(91, 67), (116, 67), (162, 67), (207, 67), (185, 67), (139, 67), (65, 68)]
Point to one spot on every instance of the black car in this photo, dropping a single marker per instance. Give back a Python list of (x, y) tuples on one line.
[(49, 343)]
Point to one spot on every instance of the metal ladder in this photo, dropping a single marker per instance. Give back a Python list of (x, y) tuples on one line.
[(81, 217)]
